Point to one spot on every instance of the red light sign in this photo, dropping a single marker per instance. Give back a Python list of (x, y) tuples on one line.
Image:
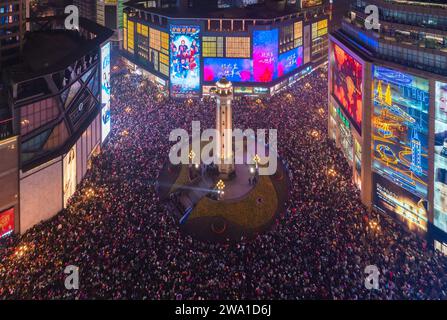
[(6, 222)]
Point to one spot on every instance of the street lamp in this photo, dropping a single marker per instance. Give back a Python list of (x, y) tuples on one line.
[(256, 159), (220, 186), (191, 157), (331, 172)]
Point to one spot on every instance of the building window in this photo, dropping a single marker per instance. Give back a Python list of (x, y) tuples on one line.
[(286, 40), (165, 43), (212, 46), (238, 47), (164, 69), (57, 137), (154, 39), (319, 29), (298, 34), (164, 59), (130, 36), (153, 58), (37, 114)]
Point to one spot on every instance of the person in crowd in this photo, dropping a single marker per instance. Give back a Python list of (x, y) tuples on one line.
[(128, 244)]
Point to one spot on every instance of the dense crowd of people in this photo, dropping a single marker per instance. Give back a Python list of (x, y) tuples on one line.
[(127, 245)]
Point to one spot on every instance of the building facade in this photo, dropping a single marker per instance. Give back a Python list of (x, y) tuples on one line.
[(387, 107), (13, 15), (60, 117), (259, 51), (109, 13), (87, 8)]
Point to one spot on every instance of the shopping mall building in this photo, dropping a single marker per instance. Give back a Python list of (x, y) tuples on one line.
[(388, 110), (259, 49), (54, 115)]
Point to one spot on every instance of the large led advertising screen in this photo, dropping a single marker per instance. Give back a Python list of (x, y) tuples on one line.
[(235, 70), (440, 179), (265, 55), (311, 3), (346, 86), (69, 178), (6, 222), (105, 91), (394, 200), (185, 61), (290, 61), (400, 129)]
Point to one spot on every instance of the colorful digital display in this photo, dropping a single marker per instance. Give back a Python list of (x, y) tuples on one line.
[(400, 129), (105, 91), (290, 61), (69, 163), (394, 200), (6, 222), (346, 87), (265, 55), (185, 61), (440, 179), (235, 70), (311, 3)]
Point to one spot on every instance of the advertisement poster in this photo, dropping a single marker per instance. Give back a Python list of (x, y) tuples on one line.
[(6, 222), (311, 3), (440, 199), (235, 70), (265, 55), (400, 129), (105, 91), (185, 61), (394, 200), (346, 86), (69, 163), (290, 61)]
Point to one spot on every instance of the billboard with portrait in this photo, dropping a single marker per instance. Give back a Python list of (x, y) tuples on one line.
[(440, 178), (105, 91), (6, 222), (185, 54), (347, 80), (265, 55), (400, 129), (290, 61), (396, 201), (235, 70)]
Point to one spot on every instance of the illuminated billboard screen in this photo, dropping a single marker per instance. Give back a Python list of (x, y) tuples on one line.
[(440, 199), (290, 61), (69, 163), (394, 200), (311, 3), (346, 87), (400, 129), (6, 222), (235, 70), (185, 61), (105, 91), (265, 55)]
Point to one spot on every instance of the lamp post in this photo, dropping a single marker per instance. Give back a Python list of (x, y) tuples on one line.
[(191, 157), (256, 159), (220, 186)]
